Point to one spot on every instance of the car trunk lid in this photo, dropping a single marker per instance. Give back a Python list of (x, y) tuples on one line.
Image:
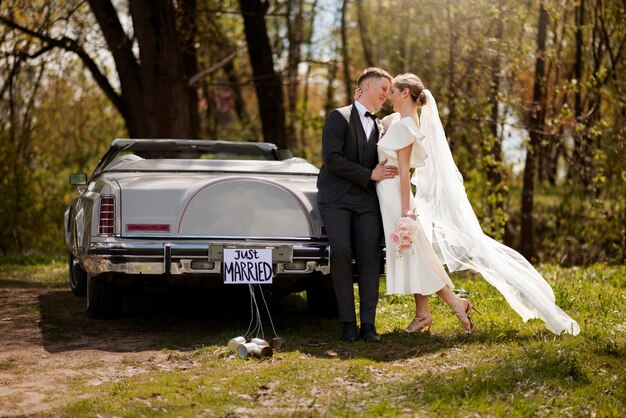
[(197, 205)]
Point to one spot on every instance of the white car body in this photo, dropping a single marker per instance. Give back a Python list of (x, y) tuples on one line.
[(164, 210)]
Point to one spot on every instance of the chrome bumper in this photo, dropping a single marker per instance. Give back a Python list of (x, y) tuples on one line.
[(198, 258)]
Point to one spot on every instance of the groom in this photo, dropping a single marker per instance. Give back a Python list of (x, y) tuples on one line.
[(348, 203)]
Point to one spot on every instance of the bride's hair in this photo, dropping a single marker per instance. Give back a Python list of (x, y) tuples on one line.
[(414, 84)]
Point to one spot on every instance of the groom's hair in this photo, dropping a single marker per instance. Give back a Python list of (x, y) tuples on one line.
[(373, 72)]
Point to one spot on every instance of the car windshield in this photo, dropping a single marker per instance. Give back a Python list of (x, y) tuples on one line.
[(196, 155), (186, 151)]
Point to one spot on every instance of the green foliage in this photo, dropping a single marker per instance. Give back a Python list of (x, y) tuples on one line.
[(489, 199), (575, 229), (54, 120), (572, 228), (69, 129)]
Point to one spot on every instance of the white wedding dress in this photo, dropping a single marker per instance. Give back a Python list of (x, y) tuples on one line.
[(418, 269), (450, 226)]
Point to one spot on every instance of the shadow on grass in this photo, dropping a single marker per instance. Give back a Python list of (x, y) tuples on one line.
[(397, 346), (182, 319), (188, 319)]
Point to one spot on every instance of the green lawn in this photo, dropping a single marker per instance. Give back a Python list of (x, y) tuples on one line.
[(506, 368)]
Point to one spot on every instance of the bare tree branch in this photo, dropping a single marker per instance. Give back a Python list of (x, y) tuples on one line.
[(208, 71), (71, 45)]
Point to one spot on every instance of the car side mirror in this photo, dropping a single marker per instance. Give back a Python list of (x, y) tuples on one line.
[(78, 179)]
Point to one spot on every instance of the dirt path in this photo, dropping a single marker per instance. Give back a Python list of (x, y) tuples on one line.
[(46, 343)]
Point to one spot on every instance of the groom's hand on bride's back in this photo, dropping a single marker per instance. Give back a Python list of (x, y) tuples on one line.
[(383, 171)]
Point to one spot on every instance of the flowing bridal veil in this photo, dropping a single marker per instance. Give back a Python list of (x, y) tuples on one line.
[(449, 221)]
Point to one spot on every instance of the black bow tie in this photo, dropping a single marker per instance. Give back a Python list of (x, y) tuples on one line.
[(371, 115)]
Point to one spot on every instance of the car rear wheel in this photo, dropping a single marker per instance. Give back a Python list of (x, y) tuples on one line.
[(104, 297), (78, 277)]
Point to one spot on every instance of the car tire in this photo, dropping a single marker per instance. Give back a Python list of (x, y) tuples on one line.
[(78, 277), (104, 297), (321, 301)]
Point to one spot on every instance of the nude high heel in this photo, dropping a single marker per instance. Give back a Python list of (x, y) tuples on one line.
[(419, 325), (464, 315)]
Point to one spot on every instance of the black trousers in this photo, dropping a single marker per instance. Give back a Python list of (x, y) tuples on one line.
[(354, 228)]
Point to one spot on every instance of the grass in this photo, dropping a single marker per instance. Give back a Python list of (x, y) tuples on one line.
[(24, 272), (506, 368)]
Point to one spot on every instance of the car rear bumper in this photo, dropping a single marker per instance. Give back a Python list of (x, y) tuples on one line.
[(202, 258)]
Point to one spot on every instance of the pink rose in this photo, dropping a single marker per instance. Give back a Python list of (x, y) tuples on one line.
[(404, 228), (405, 240), (405, 232)]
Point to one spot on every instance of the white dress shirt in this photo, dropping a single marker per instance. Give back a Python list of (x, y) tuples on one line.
[(366, 121)]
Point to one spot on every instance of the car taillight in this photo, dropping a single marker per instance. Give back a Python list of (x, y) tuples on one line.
[(148, 227), (106, 224)]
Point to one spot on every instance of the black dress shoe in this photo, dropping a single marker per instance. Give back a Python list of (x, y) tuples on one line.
[(350, 332), (368, 333)]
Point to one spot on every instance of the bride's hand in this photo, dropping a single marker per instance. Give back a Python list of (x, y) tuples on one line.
[(357, 93)]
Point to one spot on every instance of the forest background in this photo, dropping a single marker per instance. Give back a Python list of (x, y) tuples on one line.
[(532, 95)]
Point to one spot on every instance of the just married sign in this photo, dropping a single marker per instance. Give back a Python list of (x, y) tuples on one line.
[(247, 266)]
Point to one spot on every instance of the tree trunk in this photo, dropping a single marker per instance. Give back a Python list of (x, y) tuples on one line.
[(295, 37), (156, 101), (365, 39), (537, 119), (578, 62), (298, 108), (548, 157), (492, 142), (163, 74), (452, 93), (329, 103), (187, 30), (578, 165), (268, 84), (239, 102), (495, 147), (132, 105), (305, 118), (345, 57)]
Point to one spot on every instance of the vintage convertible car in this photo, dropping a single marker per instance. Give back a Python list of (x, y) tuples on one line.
[(162, 212)]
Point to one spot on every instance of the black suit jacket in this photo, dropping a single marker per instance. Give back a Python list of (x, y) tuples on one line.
[(344, 153)]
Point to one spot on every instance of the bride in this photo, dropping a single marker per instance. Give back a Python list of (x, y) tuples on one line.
[(447, 231)]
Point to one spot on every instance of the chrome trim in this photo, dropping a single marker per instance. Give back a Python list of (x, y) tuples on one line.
[(167, 257), (213, 238), (173, 258), (177, 246)]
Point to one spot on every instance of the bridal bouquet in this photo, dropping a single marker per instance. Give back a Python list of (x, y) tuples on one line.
[(404, 234)]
